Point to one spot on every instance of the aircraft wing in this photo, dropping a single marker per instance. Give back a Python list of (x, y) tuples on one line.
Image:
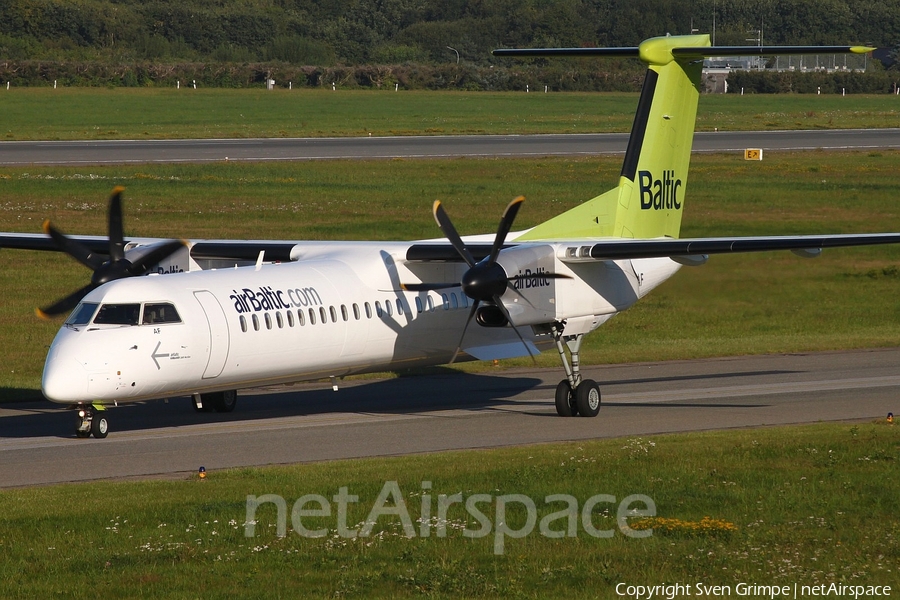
[(40, 241), (247, 250), (807, 245)]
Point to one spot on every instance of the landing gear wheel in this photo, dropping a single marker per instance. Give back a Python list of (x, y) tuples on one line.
[(565, 402), (587, 398), (224, 402), (99, 426)]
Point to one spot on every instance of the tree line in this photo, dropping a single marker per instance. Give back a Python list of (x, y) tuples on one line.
[(290, 34)]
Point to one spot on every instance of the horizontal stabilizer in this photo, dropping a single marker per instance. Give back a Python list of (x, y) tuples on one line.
[(710, 51), (629, 52), (686, 52)]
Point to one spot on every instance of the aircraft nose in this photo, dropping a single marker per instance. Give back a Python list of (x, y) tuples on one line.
[(64, 379)]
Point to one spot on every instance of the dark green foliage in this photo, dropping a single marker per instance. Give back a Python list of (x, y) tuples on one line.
[(325, 33)]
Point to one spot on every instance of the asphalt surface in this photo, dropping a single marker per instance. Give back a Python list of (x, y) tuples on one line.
[(448, 411), (309, 422), (198, 151)]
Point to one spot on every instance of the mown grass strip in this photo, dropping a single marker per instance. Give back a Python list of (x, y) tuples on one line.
[(745, 304), (808, 505), (125, 113)]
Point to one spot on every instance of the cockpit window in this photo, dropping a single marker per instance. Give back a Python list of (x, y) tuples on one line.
[(118, 314), (161, 312), (82, 314)]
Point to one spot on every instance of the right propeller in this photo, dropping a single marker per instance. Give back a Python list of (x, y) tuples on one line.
[(485, 281), (105, 269)]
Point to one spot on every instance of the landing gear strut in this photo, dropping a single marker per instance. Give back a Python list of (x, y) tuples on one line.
[(223, 402), (92, 420), (574, 395)]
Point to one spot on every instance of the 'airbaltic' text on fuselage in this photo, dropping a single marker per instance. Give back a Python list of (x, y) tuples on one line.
[(532, 279), (659, 194), (265, 298)]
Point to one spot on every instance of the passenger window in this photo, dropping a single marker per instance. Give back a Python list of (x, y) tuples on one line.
[(323, 314), (268, 319), (464, 300), (378, 312), (243, 324), (389, 307), (290, 318), (279, 320), (368, 310), (255, 322), (333, 314), (300, 318), (418, 304), (344, 314), (454, 303), (356, 311), (312, 317), (118, 314), (430, 302), (399, 306), (446, 301), (82, 314), (162, 312)]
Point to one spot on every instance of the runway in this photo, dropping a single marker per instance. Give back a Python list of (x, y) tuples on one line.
[(447, 411), (276, 149)]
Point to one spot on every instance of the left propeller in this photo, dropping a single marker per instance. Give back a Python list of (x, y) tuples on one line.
[(105, 268)]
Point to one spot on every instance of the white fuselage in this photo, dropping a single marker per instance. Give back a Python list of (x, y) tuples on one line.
[(337, 311)]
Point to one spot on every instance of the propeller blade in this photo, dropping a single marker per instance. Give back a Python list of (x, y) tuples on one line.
[(116, 230), (426, 287), (64, 305), (463, 336), (514, 328), (73, 248), (443, 221), (506, 221), (142, 264)]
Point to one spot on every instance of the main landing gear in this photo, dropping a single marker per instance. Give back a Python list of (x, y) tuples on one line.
[(574, 396), (92, 420), (223, 402)]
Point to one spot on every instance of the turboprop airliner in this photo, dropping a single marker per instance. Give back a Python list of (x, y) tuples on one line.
[(211, 317)]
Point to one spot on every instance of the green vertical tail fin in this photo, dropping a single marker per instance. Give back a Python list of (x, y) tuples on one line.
[(649, 198)]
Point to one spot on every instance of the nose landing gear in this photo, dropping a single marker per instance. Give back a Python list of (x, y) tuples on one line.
[(92, 420)]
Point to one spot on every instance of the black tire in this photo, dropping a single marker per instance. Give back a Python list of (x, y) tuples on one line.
[(224, 402), (587, 398), (565, 407), (99, 426)]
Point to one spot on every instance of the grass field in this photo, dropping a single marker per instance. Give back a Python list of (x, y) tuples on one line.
[(743, 304), (124, 113), (804, 505)]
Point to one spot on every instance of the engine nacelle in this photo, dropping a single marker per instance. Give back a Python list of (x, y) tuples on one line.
[(180, 260), (528, 267), (489, 315)]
